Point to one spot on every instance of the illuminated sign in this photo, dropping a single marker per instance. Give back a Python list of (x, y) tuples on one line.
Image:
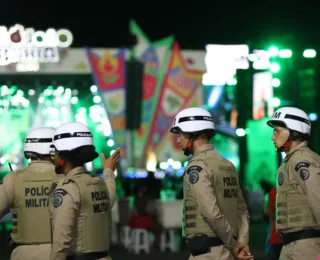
[(25, 45), (222, 62), (262, 95)]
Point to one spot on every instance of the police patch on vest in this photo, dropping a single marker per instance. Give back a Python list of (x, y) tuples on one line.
[(301, 165), (57, 200), (193, 177), (280, 178), (304, 174)]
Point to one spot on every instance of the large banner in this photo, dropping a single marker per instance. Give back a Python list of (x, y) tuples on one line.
[(181, 89), (168, 147), (155, 58), (108, 71)]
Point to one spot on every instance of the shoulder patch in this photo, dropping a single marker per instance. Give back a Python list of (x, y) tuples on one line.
[(193, 177), (57, 200), (280, 178), (301, 165), (304, 174), (194, 168), (193, 173), (60, 192)]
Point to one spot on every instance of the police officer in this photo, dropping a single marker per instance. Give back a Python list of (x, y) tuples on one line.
[(80, 204), (26, 193), (216, 220), (298, 185)]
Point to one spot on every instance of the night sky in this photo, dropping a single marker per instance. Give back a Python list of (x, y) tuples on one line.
[(105, 23)]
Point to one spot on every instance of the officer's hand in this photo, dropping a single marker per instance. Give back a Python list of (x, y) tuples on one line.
[(112, 161), (236, 250), (245, 254)]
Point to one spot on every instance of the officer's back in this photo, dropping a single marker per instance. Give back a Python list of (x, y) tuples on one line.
[(215, 218), (80, 204), (225, 180), (25, 192)]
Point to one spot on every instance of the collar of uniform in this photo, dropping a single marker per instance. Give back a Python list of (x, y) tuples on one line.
[(41, 166), (298, 147), (76, 171), (203, 148)]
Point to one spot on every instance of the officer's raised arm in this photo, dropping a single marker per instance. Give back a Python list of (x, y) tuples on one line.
[(201, 186), (65, 203), (109, 166)]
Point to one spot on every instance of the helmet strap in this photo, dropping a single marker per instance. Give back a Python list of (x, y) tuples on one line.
[(188, 150), (192, 137), (61, 163), (287, 144), (60, 168)]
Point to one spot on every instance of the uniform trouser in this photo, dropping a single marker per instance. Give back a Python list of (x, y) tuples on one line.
[(32, 252), (216, 253), (274, 252), (304, 249)]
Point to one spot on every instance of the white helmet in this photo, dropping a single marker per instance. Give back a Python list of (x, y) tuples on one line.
[(38, 141), (291, 118), (192, 120), (71, 136)]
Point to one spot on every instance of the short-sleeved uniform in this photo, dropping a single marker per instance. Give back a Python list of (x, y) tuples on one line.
[(213, 204), (298, 203)]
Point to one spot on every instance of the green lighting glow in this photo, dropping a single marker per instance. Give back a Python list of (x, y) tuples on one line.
[(24, 107)]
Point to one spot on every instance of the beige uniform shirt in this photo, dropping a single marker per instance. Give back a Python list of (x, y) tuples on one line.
[(210, 210), (64, 216), (304, 175), (7, 186)]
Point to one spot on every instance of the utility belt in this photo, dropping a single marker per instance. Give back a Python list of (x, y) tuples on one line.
[(201, 244), (88, 256), (287, 238), (84, 256)]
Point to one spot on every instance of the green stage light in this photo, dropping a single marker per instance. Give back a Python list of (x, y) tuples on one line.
[(273, 51), (275, 82), (275, 102), (274, 67), (285, 53), (309, 53)]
